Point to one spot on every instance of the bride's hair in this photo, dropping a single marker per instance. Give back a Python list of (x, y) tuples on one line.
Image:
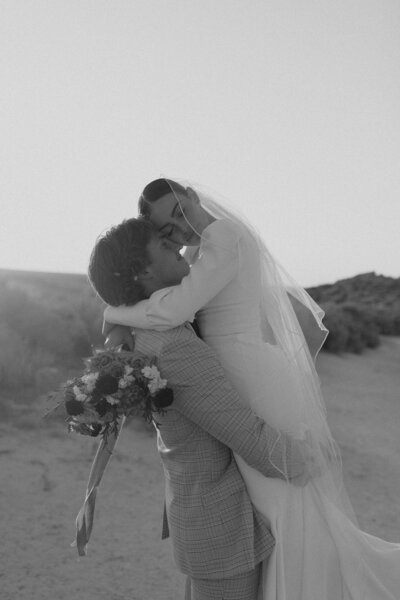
[(154, 191), (117, 257)]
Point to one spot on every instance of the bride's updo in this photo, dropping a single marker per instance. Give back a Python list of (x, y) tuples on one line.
[(154, 191), (117, 258)]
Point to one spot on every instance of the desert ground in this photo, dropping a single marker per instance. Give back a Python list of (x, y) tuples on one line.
[(44, 472)]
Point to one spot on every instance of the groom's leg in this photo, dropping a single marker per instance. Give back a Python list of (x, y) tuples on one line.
[(241, 587)]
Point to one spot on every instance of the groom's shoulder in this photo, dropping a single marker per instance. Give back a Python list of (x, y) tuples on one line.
[(154, 342)]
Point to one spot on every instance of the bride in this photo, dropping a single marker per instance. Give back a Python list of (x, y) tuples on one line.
[(244, 305)]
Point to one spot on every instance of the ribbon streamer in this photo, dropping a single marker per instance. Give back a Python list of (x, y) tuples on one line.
[(84, 519)]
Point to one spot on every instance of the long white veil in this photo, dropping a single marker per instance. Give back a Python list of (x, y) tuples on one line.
[(278, 315)]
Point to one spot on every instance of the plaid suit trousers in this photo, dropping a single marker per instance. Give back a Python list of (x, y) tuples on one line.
[(246, 586)]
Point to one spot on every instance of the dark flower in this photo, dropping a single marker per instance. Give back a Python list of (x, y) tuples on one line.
[(74, 407), (116, 371), (103, 407), (106, 385), (163, 398), (95, 429)]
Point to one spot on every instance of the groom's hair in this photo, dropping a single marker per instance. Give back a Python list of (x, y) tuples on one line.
[(118, 256), (154, 191)]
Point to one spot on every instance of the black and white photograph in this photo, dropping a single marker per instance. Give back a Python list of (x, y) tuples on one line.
[(200, 299)]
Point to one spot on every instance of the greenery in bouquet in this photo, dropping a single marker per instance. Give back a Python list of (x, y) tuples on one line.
[(114, 384)]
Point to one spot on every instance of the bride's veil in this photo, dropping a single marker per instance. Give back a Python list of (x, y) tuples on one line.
[(278, 316)]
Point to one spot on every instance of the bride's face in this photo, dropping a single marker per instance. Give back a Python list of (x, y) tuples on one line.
[(180, 218)]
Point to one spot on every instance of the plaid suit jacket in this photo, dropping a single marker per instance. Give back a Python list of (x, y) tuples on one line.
[(215, 530)]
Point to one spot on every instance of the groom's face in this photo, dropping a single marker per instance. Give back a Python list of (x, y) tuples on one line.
[(167, 266)]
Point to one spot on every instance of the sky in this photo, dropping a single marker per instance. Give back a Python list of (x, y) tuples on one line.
[(288, 108)]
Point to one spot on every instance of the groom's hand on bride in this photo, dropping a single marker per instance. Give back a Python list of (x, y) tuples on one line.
[(119, 335)]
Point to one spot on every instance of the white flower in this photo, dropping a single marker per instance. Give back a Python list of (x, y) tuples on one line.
[(78, 394), (90, 381), (125, 381), (154, 386), (112, 400), (155, 383), (150, 372)]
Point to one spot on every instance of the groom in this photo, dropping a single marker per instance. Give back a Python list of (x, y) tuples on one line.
[(219, 539)]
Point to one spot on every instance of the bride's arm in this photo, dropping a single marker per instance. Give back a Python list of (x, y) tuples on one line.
[(214, 269)]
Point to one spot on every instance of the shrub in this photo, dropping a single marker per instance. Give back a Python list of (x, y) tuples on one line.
[(363, 330), (19, 362), (337, 326), (66, 329), (37, 325), (352, 327), (44, 326), (387, 319)]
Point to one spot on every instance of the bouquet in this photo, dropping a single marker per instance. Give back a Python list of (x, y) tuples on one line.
[(114, 385)]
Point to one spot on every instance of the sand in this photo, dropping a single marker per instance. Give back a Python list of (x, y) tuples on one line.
[(44, 472)]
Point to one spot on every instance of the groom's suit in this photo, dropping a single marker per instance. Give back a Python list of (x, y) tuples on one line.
[(216, 532)]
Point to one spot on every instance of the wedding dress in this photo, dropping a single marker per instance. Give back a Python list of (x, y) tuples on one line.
[(320, 553)]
